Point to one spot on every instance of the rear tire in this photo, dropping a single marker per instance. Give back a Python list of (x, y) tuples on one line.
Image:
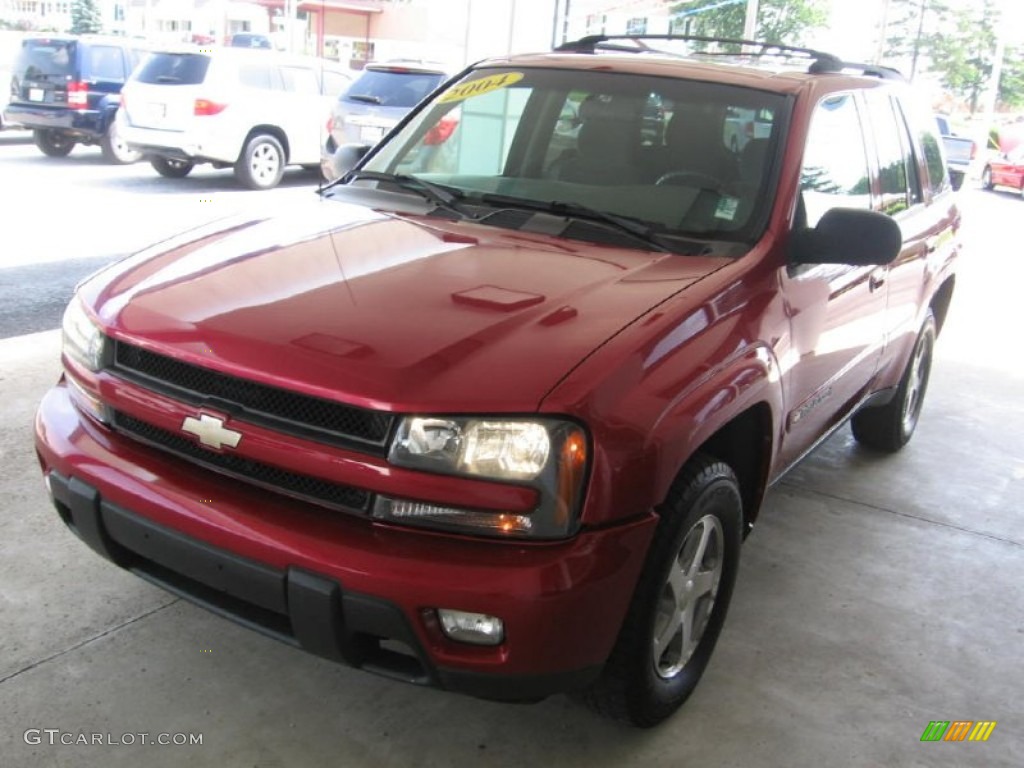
[(53, 143), (114, 148), (889, 427), (261, 164), (680, 601), (171, 168), (986, 178)]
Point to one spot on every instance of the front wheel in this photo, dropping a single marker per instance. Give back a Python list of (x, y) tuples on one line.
[(986, 178), (680, 601), (114, 148), (889, 427), (261, 164), (171, 168), (53, 143)]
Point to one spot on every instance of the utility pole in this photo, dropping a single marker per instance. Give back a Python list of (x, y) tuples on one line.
[(992, 93), (750, 22), (917, 40), (882, 32)]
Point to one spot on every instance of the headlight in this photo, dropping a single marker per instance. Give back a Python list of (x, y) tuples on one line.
[(549, 455), (83, 341)]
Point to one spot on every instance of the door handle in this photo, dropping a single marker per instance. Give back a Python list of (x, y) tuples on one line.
[(876, 280)]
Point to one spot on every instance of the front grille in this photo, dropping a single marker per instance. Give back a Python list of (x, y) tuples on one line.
[(293, 484), (279, 409)]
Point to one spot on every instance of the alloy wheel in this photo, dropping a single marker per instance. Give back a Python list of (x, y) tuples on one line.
[(688, 596)]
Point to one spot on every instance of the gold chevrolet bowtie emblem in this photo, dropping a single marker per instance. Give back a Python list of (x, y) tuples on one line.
[(211, 431)]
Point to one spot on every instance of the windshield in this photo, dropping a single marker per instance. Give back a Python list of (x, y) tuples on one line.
[(684, 157)]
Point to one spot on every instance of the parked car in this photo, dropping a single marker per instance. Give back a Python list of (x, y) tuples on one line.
[(250, 40), (500, 427), (4, 98), (254, 111), (960, 151), (1005, 170), (382, 95), (66, 89)]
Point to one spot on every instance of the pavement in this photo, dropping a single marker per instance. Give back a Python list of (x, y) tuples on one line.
[(876, 594)]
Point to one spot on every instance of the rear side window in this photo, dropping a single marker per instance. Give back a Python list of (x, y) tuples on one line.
[(894, 158), (391, 88), (41, 59), (103, 62), (300, 80), (173, 69), (265, 78), (938, 178)]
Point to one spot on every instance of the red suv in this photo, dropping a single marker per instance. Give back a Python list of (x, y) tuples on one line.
[(497, 418)]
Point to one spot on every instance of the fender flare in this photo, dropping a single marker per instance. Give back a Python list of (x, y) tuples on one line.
[(749, 377)]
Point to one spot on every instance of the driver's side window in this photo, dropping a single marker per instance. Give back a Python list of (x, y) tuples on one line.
[(835, 167)]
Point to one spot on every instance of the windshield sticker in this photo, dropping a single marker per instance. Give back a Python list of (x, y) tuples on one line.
[(726, 208), (480, 86)]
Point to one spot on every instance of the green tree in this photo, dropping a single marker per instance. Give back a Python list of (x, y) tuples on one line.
[(85, 17), (910, 25), (962, 50), (1011, 84), (778, 21)]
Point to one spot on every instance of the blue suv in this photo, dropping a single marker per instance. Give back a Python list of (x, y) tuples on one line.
[(67, 90)]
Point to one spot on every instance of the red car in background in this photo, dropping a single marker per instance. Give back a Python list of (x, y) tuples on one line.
[(1006, 170)]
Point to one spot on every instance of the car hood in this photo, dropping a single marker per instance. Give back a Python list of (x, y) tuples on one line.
[(384, 310)]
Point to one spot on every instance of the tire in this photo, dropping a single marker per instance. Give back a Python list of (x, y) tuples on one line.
[(115, 150), (986, 178), (652, 669), (53, 143), (889, 427), (172, 168), (261, 164)]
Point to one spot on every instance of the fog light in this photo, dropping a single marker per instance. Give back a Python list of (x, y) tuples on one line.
[(48, 484), (475, 628)]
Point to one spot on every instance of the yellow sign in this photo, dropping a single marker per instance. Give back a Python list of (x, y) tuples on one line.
[(480, 86)]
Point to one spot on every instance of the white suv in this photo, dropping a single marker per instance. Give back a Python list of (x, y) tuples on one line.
[(254, 110)]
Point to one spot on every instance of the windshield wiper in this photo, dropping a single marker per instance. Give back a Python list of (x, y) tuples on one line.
[(632, 227), (363, 97), (440, 196)]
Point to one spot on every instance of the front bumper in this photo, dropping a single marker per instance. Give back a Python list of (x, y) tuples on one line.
[(344, 588)]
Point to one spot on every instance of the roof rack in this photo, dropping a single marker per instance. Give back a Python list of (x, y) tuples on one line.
[(821, 62)]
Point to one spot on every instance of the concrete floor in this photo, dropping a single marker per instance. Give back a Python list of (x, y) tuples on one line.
[(876, 594)]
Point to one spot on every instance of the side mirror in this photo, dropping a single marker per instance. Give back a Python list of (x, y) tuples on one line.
[(848, 236), (345, 159)]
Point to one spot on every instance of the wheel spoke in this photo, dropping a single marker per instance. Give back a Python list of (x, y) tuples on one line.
[(677, 582), (663, 637), (698, 556), (689, 637), (705, 583)]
